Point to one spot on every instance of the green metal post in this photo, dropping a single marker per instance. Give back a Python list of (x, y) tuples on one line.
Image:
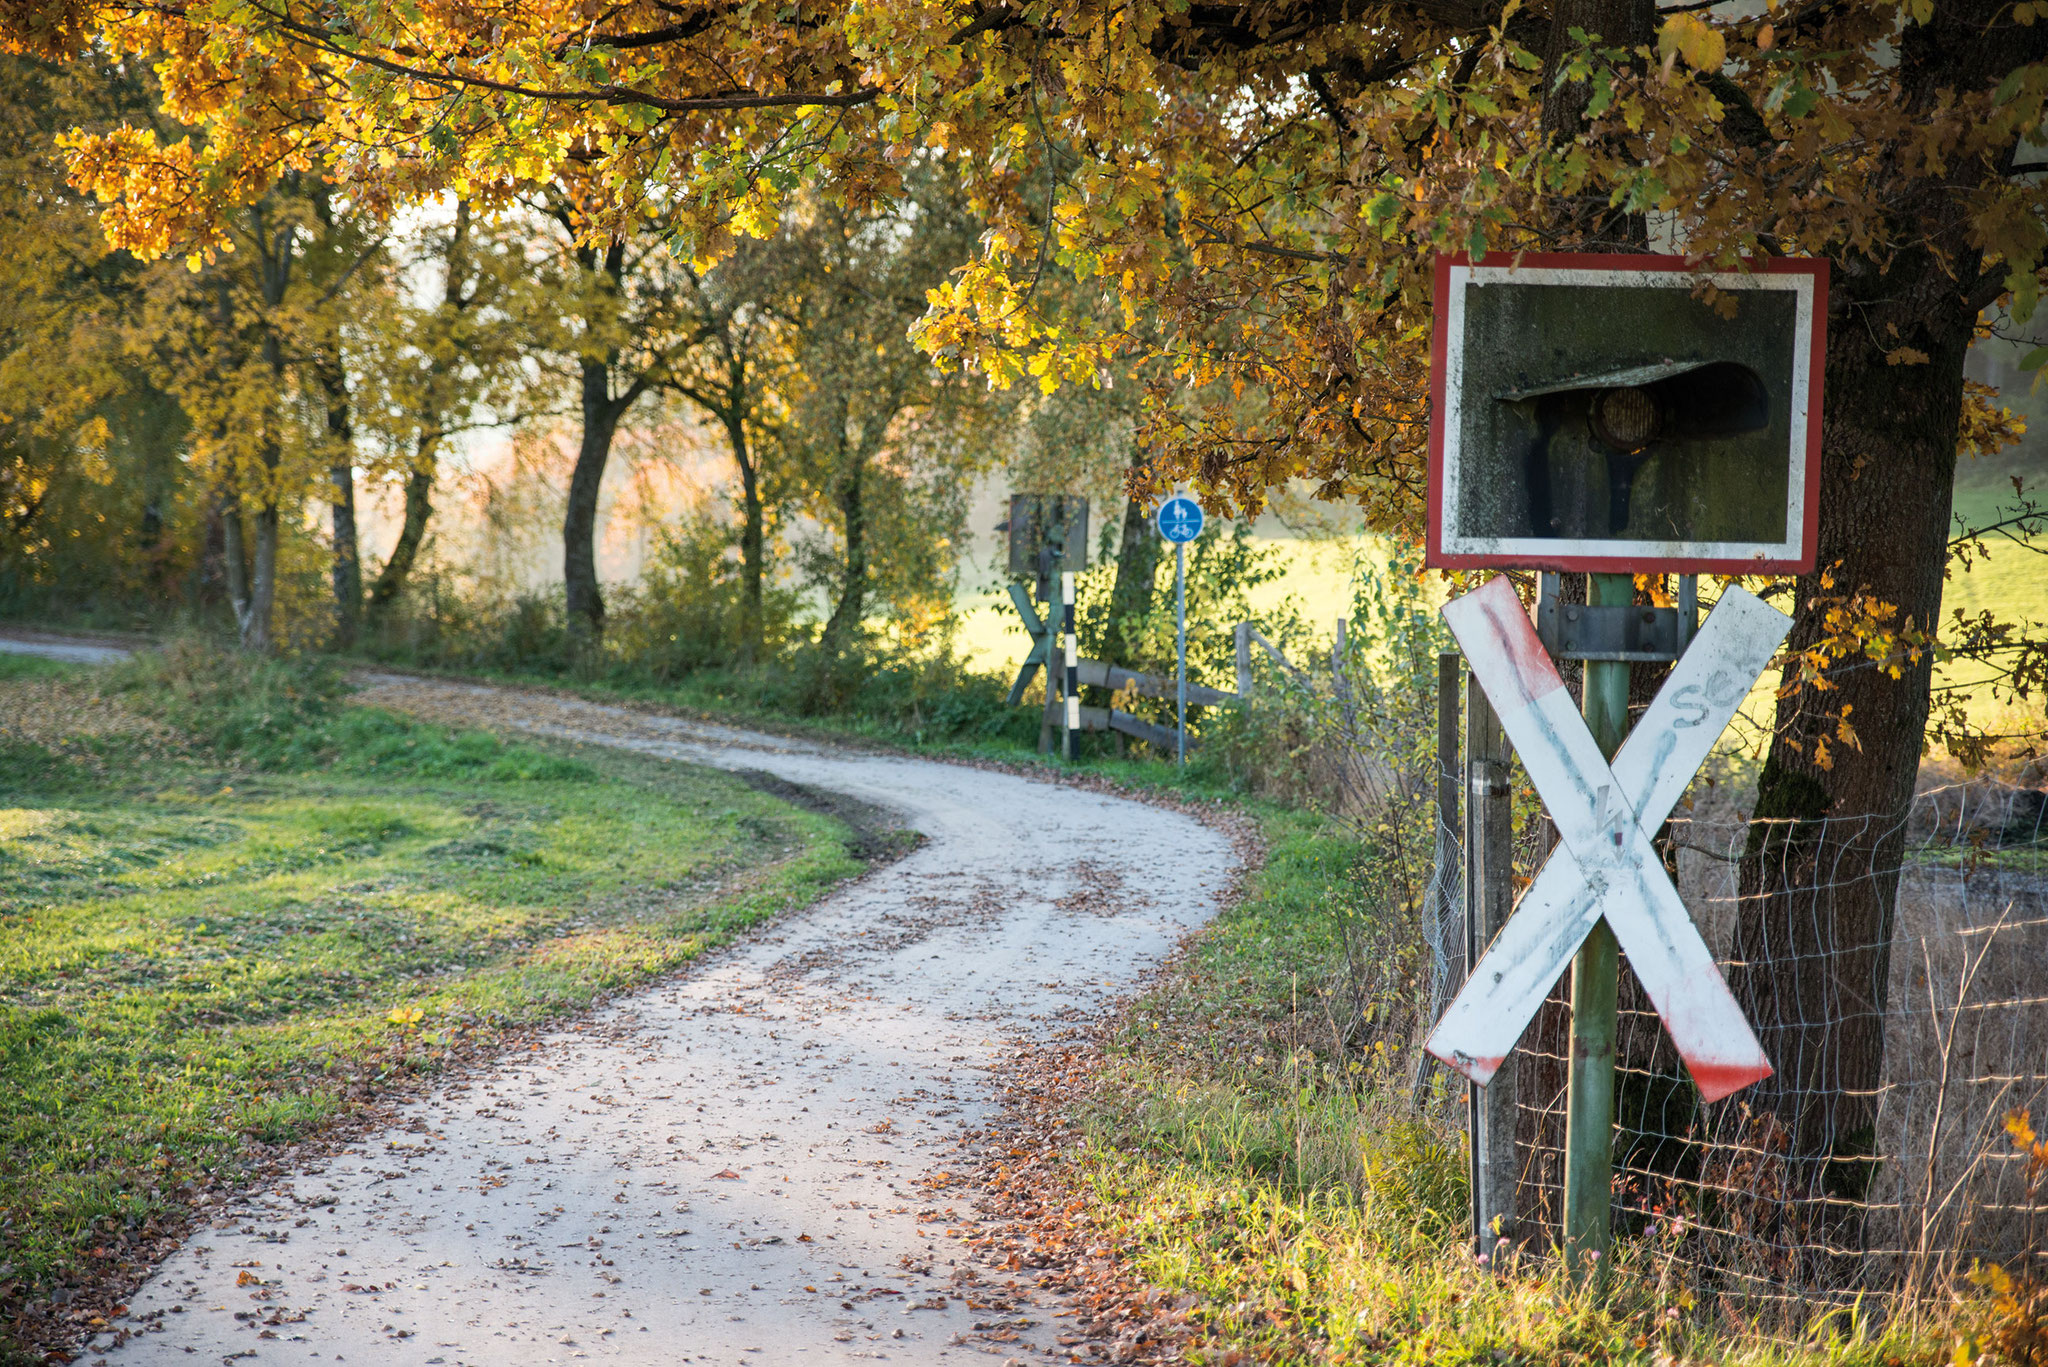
[(1596, 972)]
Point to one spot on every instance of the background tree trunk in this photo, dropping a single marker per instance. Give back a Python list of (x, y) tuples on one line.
[(347, 571), (579, 519), (845, 621), (419, 490), (235, 560), (753, 534), (257, 630), (419, 484), (1137, 572)]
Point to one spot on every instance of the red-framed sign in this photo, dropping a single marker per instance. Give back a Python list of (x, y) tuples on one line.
[(1597, 412)]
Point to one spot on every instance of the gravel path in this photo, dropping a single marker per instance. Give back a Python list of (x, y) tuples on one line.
[(741, 1164), (68, 648)]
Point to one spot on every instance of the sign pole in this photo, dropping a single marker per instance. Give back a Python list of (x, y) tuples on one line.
[(1180, 648), (1489, 901), (1179, 520), (1596, 972)]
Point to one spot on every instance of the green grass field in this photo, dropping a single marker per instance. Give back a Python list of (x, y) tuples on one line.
[(200, 955)]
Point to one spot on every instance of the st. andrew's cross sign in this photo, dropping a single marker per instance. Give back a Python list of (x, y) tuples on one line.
[(1623, 415), (1605, 865)]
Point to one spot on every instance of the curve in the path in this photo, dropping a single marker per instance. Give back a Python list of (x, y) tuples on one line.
[(64, 648), (730, 1166)]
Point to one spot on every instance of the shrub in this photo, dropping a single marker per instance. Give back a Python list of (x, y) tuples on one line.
[(689, 610), (264, 711), (287, 713)]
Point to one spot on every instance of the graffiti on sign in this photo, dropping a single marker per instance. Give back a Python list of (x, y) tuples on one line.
[(1605, 864)]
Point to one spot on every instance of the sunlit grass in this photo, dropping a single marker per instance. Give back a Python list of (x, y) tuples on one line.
[(196, 956), (1314, 1210)]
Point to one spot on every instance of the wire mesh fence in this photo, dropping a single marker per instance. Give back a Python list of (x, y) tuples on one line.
[(1897, 975), (1899, 980)]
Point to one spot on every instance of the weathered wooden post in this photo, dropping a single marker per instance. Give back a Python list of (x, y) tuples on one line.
[(1489, 897)]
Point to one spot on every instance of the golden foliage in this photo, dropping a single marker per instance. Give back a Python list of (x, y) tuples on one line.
[(1258, 195)]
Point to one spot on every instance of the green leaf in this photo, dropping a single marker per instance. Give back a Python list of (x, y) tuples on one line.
[(1382, 207), (2034, 359)]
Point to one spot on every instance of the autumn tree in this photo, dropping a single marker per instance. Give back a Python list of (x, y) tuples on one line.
[(438, 354), (91, 489), (612, 311), (740, 313), (1261, 188), (886, 442)]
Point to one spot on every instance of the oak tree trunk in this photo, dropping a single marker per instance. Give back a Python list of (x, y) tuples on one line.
[(1820, 872), (579, 519), (1137, 574), (346, 573), (753, 533), (235, 560), (601, 413), (257, 626), (853, 583), (419, 489), (419, 484)]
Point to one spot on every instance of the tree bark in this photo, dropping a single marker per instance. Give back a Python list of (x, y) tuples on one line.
[(419, 489), (275, 267), (1132, 592), (753, 516), (346, 574), (601, 413), (853, 584), (1820, 872), (235, 561), (257, 631), (579, 519), (419, 483)]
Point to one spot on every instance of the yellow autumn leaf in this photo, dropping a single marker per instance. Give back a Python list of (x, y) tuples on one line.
[(1693, 38)]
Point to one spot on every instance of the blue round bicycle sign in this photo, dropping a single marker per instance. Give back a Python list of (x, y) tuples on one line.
[(1180, 519)]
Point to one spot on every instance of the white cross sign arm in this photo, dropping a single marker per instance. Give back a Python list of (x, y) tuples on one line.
[(1606, 865)]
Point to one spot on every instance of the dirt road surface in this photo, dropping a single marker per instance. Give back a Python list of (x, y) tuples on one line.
[(732, 1165)]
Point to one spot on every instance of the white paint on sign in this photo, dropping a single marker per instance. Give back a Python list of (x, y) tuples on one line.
[(1605, 864)]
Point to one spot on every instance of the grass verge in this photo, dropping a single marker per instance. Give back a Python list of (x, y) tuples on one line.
[(232, 908), (1264, 1189)]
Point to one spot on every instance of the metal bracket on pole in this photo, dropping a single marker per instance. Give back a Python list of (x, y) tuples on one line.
[(1615, 631)]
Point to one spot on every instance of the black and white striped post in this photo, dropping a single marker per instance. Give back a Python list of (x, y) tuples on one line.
[(1073, 675)]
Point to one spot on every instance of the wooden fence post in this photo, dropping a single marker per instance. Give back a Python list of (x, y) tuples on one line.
[(1489, 897)]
